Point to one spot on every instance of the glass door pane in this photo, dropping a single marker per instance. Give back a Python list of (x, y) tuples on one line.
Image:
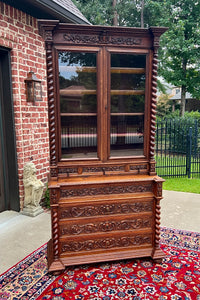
[(127, 99), (78, 104)]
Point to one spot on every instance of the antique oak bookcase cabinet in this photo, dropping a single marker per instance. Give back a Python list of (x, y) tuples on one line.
[(104, 192)]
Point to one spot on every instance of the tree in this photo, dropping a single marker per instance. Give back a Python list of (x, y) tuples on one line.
[(97, 12), (163, 105), (132, 13), (180, 51), (111, 12), (179, 54), (115, 14)]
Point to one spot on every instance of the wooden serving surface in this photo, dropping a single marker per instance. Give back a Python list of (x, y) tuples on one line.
[(102, 179)]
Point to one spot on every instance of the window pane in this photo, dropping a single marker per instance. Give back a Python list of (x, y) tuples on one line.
[(78, 104), (127, 135), (127, 104), (79, 137), (128, 60), (121, 81)]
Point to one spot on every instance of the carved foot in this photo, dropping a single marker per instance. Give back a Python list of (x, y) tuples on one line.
[(55, 266), (157, 255)]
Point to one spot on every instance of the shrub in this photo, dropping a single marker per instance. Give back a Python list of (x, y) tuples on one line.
[(47, 198)]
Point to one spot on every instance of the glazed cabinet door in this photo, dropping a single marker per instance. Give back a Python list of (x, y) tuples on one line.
[(126, 100), (101, 104), (78, 104)]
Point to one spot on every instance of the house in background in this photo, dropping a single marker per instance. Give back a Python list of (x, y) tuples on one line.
[(192, 104), (24, 132), (174, 96)]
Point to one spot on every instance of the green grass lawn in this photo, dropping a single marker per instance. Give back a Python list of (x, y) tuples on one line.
[(182, 185)]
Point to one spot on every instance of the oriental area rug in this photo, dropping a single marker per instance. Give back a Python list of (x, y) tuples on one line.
[(177, 278)]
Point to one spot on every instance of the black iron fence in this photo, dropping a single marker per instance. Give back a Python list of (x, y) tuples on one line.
[(177, 149)]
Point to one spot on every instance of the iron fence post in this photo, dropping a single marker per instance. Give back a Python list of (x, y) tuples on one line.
[(189, 152)]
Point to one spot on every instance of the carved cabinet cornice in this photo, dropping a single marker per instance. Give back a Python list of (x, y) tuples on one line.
[(105, 195)]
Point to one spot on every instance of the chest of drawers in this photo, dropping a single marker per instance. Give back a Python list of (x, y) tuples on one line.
[(104, 218)]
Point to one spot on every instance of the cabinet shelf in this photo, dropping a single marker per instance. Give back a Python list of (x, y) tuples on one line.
[(74, 92), (95, 114), (127, 92), (113, 70), (78, 114), (127, 114), (126, 134), (79, 69), (128, 70), (93, 92)]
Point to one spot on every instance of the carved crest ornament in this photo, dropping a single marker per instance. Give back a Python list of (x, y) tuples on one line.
[(101, 39)]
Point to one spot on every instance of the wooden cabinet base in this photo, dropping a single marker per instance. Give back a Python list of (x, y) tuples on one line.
[(104, 219), (56, 266)]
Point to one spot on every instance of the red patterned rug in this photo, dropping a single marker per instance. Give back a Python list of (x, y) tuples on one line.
[(177, 278)]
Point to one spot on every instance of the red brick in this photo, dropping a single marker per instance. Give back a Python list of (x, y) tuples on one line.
[(6, 10), (19, 15), (29, 40), (32, 35), (30, 63), (9, 20), (30, 52), (11, 11), (39, 43), (23, 73), (2, 7), (33, 47), (3, 24), (21, 31), (28, 28), (19, 25)]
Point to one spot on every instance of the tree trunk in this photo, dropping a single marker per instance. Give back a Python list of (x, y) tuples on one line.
[(183, 89), (142, 14), (115, 16), (183, 100)]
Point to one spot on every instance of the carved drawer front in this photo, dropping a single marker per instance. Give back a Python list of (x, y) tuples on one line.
[(105, 225), (83, 189), (114, 241), (106, 207)]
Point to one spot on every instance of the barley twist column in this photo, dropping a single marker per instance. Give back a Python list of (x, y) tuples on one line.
[(153, 111), (51, 99), (158, 207), (157, 254), (54, 262)]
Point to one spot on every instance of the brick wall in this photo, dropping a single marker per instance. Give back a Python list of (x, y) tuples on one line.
[(19, 32)]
